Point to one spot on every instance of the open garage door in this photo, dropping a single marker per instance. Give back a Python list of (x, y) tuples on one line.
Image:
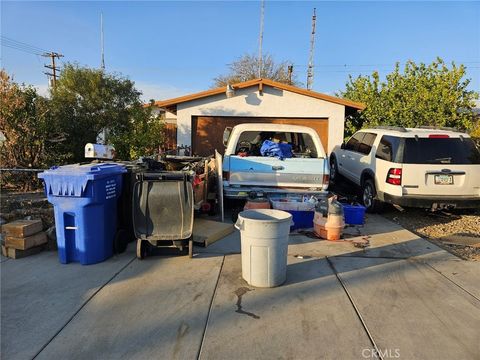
[(207, 131)]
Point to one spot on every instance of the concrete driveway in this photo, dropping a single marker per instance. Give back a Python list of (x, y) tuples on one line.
[(402, 297)]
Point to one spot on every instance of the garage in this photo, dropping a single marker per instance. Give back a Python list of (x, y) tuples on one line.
[(204, 144), (202, 117)]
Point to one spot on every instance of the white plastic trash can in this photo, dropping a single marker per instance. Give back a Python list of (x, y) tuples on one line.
[(264, 237)]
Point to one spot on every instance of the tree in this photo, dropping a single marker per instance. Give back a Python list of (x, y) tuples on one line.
[(246, 68), (429, 95), (25, 123), (86, 101)]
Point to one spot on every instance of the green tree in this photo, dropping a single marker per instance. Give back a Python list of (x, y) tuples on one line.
[(86, 101), (428, 95), (246, 68), (25, 122)]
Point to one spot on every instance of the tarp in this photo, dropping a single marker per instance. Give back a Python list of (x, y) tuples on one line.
[(273, 149)]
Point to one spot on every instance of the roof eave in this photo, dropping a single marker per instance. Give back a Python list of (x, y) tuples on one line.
[(171, 103)]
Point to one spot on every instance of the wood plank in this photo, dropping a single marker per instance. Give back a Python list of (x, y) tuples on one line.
[(4, 251), (18, 254), (208, 231), (27, 242), (408, 306), (22, 228)]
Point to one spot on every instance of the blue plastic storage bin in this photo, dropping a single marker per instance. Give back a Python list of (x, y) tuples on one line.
[(301, 219), (354, 214), (85, 206)]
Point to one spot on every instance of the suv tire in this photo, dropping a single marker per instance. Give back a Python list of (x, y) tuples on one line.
[(369, 197), (334, 175)]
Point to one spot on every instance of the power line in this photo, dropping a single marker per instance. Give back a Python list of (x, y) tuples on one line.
[(21, 46)]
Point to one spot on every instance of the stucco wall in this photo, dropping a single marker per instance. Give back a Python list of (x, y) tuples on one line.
[(273, 103)]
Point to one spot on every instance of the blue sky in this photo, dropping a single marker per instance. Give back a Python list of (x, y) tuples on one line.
[(174, 48)]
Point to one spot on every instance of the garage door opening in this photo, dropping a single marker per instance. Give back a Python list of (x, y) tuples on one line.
[(207, 131)]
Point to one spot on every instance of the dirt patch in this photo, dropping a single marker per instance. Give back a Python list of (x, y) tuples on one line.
[(445, 229)]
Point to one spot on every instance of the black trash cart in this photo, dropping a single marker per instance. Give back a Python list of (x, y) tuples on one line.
[(163, 211)]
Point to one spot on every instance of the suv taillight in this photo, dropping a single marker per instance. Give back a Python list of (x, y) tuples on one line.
[(394, 176)]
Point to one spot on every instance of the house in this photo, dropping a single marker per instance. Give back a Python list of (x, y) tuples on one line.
[(202, 117)]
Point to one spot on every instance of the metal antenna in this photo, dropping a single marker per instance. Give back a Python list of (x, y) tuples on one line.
[(312, 46), (260, 40), (102, 65)]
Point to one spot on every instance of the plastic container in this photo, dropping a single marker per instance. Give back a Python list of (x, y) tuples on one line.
[(302, 219), (85, 207), (264, 243), (259, 203), (354, 214), (292, 205), (330, 227)]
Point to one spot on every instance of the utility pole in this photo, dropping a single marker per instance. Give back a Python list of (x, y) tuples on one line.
[(260, 40), (290, 73), (102, 64), (312, 46), (52, 55)]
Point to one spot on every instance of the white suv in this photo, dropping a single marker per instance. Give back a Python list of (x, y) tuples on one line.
[(420, 167)]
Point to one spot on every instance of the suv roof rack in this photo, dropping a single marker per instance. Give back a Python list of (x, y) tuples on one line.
[(446, 128), (389, 127)]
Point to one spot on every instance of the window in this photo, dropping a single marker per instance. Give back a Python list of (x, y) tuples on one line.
[(352, 144), (302, 144), (440, 151), (366, 145), (388, 148)]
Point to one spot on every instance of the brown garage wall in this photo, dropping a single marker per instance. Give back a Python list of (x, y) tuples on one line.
[(207, 131)]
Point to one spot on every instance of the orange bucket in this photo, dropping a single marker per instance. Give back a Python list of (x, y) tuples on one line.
[(260, 203)]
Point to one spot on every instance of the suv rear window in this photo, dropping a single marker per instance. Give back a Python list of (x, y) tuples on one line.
[(440, 151)]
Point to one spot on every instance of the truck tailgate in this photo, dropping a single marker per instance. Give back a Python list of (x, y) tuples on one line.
[(270, 171)]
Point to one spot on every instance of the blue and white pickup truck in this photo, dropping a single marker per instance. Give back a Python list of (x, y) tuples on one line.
[(245, 170)]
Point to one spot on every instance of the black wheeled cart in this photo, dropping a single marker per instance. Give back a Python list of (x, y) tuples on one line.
[(163, 211)]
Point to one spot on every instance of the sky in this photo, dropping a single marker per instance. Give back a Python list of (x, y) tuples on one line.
[(173, 48)]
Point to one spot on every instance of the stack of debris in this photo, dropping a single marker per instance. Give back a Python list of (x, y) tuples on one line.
[(23, 238)]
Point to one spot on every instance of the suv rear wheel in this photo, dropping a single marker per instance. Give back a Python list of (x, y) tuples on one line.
[(369, 197)]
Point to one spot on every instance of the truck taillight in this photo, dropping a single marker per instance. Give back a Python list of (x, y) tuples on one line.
[(226, 175), (394, 176), (326, 179)]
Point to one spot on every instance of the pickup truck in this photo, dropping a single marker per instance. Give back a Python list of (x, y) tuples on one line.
[(245, 170)]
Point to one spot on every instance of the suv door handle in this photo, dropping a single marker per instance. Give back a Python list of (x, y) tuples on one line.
[(277, 167)]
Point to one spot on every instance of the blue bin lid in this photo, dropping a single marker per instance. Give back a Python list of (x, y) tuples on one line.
[(71, 180)]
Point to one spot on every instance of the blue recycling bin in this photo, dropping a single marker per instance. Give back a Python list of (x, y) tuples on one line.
[(85, 206)]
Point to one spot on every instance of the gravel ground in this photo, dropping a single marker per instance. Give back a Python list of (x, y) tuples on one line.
[(438, 227)]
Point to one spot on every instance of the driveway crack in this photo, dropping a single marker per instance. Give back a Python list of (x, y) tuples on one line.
[(355, 307), (82, 306)]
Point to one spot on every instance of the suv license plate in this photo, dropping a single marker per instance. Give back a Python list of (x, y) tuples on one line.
[(443, 179)]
